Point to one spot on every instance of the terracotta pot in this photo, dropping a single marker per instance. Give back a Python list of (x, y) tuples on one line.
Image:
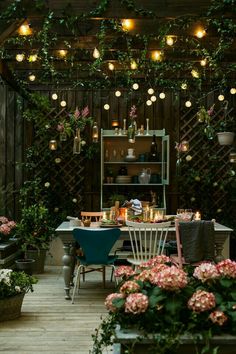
[(225, 138), (10, 308)]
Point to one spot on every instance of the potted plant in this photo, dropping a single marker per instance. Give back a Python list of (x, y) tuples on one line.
[(226, 127), (35, 234), (13, 286), (164, 307)]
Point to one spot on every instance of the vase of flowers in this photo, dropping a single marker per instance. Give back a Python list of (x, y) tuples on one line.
[(35, 233), (6, 227), (164, 304), (13, 286)]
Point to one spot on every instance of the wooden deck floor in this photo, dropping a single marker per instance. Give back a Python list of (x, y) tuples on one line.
[(51, 324)]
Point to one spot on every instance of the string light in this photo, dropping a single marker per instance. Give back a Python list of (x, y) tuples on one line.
[(162, 95), (170, 40), (106, 106), (200, 33), (195, 74), (153, 98), (184, 86), (54, 96), (62, 53), (127, 24), (20, 57), (188, 104), (25, 30), (63, 103), (233, 91), (150, 91), (32, 77), (148, 102), (203, 62), (111, 66), (133, 65), (96, 53), (32, 58), (118, 93), (221, 97), (156, 55), (135, 86)]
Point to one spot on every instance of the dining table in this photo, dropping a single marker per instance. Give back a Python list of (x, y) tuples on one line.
[(65, 233)]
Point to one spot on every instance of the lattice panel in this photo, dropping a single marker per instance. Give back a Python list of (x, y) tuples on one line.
[(210, 162), (61, 168)]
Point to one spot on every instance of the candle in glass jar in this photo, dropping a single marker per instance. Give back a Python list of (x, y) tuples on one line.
[(104, 215), (151, 214), (197, 216)]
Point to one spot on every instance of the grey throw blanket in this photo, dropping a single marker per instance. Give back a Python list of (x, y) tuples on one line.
[(198, 240)]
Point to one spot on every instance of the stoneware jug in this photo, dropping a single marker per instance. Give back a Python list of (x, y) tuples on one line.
[(145, 176)]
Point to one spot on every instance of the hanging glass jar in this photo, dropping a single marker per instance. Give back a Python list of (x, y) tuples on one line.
[(77, 142), (131, 132), (95, 132)]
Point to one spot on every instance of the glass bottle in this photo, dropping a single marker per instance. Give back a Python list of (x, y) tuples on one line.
[(131, 132), (147, 126), (153, 149), (77, 142), (95, 132)]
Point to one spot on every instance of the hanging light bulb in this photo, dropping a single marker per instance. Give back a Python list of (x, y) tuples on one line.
[(195, 73), (96, 53), (95, 132), (200, 32), (111, 66), (127, 24), (52, 144), (170, 40), (162, 95), (188, 104), (221, 97), (156, 55), (32, 58), (153, 98), (20, 57), (25, 30), (32, 77), (106, 106), (150, 91), (62, 53), (203, 62), (135, 86), (148, 102), (54, 96), (184, 145), (233, 91), (63, 103), (133, 65), (118, 93), (184, 86)]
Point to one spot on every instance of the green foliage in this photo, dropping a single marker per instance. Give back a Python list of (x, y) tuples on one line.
[(14, 283)]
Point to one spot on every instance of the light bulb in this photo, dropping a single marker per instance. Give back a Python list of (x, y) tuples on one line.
[(150, 91), (169, 40), (133, 65), (135, 86), (96, 53), (54, 96), (221, 97), (106, 106), (153, 98), (32, 58), (162, 95), (148, 102), (156, 55), (118, 93), (200, 33), (32, 77), (188, 104), (184, 86), (25, 30), (20, 57), (195, 74), (127, 24), (111, 66), (63, 103), (203, 62), (233, 91), (62, 53)]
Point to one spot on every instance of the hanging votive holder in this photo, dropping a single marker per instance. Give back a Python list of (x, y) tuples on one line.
[(95, 133), (52, 144)]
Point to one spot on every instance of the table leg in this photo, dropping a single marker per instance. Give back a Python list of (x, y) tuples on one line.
[(68, 268), (219, 246)]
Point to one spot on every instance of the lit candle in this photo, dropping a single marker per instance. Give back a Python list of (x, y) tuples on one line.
[(151, 214), (197, 216), (104, 215), (126, 214), (110, 217)]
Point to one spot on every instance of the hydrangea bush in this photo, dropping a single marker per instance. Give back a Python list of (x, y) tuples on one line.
[(161, 298), (6, 227), (13, 283)]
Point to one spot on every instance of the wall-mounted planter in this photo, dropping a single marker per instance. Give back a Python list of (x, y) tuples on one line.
[(225, 138)]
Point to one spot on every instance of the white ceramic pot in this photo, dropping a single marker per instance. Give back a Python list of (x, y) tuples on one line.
[(225, 138)]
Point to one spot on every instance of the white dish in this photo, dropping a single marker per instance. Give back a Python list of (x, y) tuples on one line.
[(130, 158)]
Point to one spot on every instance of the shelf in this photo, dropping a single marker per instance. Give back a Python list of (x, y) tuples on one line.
[(132, 184)]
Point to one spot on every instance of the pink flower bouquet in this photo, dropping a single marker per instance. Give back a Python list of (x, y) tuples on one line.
[(6, 227)]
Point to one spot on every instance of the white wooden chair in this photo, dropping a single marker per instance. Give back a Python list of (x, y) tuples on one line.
[(147, 240)]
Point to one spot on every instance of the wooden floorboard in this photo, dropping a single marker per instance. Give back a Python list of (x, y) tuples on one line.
[(50, 324)]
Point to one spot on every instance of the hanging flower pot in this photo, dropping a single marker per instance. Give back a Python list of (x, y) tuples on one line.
[(225, 138)]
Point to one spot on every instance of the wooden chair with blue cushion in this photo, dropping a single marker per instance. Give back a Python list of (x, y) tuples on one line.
[(96, 245)]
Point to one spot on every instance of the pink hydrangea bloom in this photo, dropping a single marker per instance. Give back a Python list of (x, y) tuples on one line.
[(171, 278), (201, 301), (129, 287), (155, 261), (85, 112), (109, 301), (218, 317), (227, 268), (136, 303), (124, 271), (206, 271), (151, 274), (3, 220), (5, 229)]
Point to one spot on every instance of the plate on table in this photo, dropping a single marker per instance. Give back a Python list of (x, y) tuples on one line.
[(110, 225)]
